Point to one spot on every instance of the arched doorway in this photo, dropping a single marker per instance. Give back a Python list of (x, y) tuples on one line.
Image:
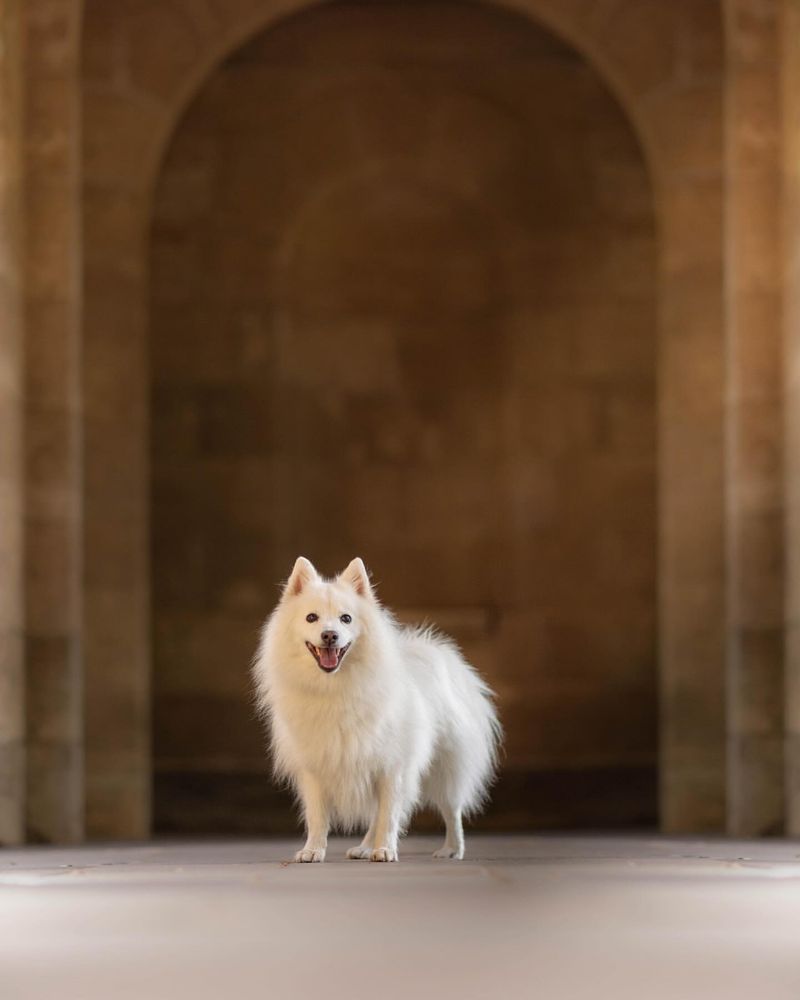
[(403, 304)]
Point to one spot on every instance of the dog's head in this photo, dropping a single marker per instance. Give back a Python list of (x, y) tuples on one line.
[(327, 616)]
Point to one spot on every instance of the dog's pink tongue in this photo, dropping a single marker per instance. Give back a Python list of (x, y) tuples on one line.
[(328, 657)]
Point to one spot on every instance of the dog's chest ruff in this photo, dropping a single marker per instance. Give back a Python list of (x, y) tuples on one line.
[(331, 736)]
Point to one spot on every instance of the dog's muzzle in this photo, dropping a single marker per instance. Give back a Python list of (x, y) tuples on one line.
[(328, 657)]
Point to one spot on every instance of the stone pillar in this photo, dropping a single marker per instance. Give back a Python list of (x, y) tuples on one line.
[(691, 379), (52, 438), (754, 398), (12, 695), (790, 62)]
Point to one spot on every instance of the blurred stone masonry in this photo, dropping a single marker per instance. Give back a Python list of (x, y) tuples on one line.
[(503, 299)]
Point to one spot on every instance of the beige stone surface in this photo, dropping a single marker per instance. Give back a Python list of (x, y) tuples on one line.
[(565, 917)]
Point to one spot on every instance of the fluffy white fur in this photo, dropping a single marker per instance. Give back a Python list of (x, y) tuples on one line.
[(398, 718)]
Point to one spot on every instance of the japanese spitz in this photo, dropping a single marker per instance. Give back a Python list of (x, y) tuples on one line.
[(370, 719)]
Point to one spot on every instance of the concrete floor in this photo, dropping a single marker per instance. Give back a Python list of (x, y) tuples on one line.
[(543, 917)]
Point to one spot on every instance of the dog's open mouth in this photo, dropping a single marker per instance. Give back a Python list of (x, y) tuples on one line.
[(328, 657)]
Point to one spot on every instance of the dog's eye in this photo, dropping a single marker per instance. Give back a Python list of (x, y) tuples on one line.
[(312, 617), (346, 619)]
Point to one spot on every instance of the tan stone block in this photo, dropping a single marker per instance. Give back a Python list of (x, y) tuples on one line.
[(11, 371), (686, 129), (691, 356), (116, 521), (118, 801), (465, 143), (54, 803), (760, 561), (756, 119), (51, 135), (758, 460), (757, 213), (693, 795), (759, 346), (792, 564), (691, 641), (12, 792), (205, 731), (11, 422), (52, 242), (701, 41), (163, 45), (691, 525), (614, 340), (51, 464), (51, 582), (115, 232), (621, 189), (53, 694), (206, 658), (757, 683), (631, 419), (52, 355), (12, 687), (235, 12), (642, 39), (755, 26), (185, 190), (629, 267), (114, 352), (121, 140), (103, 45), (52, 32), (792, 787), (756, 790), (691, 210)]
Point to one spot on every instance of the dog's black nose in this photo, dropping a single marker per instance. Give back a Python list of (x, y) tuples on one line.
[(330, 638)]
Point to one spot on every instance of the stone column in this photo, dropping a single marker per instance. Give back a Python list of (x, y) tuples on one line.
[(754, 469), (790, 62), (52, 437), (688, 144), (12, 785)]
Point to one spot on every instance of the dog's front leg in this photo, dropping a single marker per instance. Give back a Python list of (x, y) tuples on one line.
[(387, 818), (315, 813)]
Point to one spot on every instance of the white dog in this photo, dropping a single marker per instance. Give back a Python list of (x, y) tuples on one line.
[(370, 719)]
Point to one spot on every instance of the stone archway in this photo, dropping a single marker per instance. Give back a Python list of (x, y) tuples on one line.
[(406, 307), (139, 70)]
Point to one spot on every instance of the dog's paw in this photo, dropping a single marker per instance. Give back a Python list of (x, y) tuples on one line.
[(310, 855), (383, 854), (449, 853), (359, 853)]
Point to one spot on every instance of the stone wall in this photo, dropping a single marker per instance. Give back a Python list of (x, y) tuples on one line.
[(93, 146), (403, 305)]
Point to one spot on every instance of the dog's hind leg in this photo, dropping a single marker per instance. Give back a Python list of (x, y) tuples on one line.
[(364, 850), (453, 846)]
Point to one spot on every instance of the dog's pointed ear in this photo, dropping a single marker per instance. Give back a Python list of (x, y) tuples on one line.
[(357, 577), (302, 574)]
